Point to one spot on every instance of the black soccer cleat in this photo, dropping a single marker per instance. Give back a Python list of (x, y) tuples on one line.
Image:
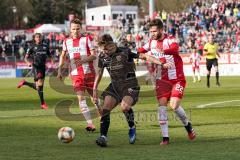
[(191, 132), (165, 141), (90, 128), (102, 141)]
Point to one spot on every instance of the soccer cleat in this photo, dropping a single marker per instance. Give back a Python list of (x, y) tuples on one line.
[(218, 84), (191, 132), (132, 135), (44, 106), (102, 141), (165, 141), (199, 80), (21, 83), (90, 128)]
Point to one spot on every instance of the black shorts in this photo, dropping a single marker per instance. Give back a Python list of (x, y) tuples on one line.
[(39, 72), (211, 62), (120, 91)]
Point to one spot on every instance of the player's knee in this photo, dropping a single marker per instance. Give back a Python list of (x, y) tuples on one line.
[(108, 105), (80, 98), (40, 83), (163, 101), (174, 105)]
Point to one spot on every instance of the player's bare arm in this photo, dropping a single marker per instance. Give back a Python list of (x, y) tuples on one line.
[(96, 83), (92, 57), (150, 59), (26, 58), (27, 61), (155, 60), (86, 59)]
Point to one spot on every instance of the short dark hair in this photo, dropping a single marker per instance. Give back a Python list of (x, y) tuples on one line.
[(105, 39), (76, 21), (156, 22), (36, 34)]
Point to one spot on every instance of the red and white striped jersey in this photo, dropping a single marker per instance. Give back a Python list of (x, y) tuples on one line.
[(77, 49), (195, 59), (166, 50)]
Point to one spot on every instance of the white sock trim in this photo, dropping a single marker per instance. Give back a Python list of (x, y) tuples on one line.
[(85, 111), (163, 120)]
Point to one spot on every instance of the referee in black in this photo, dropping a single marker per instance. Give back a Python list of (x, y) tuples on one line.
[(210, 50), (36, 57)]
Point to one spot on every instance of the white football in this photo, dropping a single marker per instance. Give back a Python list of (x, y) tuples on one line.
[(66, 134)]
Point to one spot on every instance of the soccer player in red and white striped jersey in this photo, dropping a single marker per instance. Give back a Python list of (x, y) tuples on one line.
[(195, 58), (170, 79), (81, 54)]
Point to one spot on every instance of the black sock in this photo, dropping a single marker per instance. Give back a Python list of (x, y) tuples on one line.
[(32, 85), (40, 93), (208, 78), (217, 77), (130, 117), (165, 138), (188, 127), (105, 122)]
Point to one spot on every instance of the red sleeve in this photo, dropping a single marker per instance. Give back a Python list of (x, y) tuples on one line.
[(173, 49), (141, 50)]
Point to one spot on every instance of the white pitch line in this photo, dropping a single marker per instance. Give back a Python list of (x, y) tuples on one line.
[(215, 103)]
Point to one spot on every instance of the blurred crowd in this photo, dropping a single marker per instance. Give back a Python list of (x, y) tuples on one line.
[(220, 18), (17, 45)]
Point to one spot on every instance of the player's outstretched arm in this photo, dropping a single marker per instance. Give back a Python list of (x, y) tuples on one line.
[(86, 59), (150, 59), (27, 61)]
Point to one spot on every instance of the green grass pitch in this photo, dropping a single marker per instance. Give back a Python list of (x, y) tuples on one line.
[(29, 133)]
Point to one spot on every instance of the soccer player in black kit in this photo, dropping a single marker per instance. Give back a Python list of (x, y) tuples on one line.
[(123, 89), (37, 53)]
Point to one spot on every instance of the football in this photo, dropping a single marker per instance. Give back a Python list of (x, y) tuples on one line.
[(66, 134)]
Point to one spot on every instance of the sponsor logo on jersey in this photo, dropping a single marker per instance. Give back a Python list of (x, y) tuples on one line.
[(76, 50)]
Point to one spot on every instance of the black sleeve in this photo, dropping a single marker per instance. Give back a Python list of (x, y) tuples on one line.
[(134, 45), (133, 55), (29, 52), (100, 62)]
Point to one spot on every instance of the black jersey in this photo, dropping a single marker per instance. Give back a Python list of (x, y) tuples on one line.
[(120, 65), (38, 53)]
